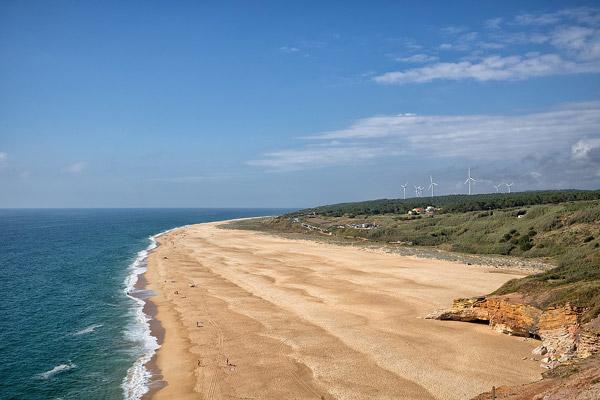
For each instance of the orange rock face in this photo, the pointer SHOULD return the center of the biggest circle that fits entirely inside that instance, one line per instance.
(512, 318)
(562, 335)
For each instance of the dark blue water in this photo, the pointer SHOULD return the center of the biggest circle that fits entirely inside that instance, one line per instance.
(65, 320)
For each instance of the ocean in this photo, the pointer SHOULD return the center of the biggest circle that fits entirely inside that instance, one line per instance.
(69, 327)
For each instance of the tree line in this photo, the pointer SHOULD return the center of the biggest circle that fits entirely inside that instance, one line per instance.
(453, 203)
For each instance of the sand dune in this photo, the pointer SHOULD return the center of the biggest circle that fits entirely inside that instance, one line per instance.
(272, 318)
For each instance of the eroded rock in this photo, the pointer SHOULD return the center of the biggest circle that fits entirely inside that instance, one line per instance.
(560, 329)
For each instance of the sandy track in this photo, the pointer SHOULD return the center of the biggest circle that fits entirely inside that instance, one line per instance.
(291, 319)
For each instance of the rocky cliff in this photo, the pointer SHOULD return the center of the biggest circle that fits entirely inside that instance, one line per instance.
(577, 381)
(563, 335)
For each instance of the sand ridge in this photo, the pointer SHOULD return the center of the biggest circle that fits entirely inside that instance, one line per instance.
(253, 316)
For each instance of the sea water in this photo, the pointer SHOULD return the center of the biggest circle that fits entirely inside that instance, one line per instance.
(70, 327)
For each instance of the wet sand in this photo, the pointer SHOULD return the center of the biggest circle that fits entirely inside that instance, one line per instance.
(248, 315)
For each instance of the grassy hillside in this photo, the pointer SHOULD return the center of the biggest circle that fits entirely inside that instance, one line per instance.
(456, 203)
(565, 234)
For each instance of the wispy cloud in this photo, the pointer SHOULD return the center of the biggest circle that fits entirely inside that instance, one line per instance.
(409, 43)
(305, 47)
(323, 155)
(473, 137)
(76, 168)
(587, 150)
(582, 15)
(453, 29)
(560, 43)
(191, 179)
(492, 68)
(3, 157)
(417, 58)
(289, 49)
(493, 23)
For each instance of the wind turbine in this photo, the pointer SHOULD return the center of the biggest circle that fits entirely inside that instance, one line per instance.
(497, 188)
(432, 186)
(469, 180)
(404, 189)
(418, 191)
(508, 185)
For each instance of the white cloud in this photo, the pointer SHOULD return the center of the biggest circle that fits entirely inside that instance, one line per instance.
(580, 41)
(539, 19)
(475, 137)
(317, 156)
(463, 41)
(584, 148)
(491, 45)
(289, 49)
(410, 44)
(3, 160)
(417, 58)
(559, 43)
(491, 68)
(453, 30)
(583, 15)
(76, 168)
(493, 23)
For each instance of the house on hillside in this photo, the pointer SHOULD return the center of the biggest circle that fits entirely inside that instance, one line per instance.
(429, 210)
(416, 211)
(366, 225)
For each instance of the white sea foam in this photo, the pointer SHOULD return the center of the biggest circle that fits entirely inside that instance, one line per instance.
(57, 370)
(88, 329)
(135, 384)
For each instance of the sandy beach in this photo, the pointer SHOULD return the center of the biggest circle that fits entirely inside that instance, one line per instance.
(248, 315)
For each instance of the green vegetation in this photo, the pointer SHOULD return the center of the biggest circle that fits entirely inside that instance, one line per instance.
(456, 203)
(566, 234)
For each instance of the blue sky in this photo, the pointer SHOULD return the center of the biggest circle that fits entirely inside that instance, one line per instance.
(219, 104)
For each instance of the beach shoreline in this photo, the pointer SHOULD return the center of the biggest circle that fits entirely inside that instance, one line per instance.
(156, 330)
(185, 364)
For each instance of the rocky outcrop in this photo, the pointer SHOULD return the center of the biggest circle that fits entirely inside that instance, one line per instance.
(502, 314)
(589, 339)
(562, 334)
(577, 381)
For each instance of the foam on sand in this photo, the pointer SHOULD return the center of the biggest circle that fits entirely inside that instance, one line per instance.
(136, 382)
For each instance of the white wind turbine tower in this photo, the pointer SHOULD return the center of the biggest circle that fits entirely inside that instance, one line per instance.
(404, 189)
(497, 188)
(432, 186)
(418, 191)
(469, 180)
(508, 185)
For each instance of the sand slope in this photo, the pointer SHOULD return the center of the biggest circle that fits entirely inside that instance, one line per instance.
(291, 319)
